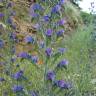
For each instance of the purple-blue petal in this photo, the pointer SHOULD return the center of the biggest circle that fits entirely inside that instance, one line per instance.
(17, 88)
(49, 33)
(63, 63)
(1, 15)
(62, 84)
(18, 75)
(60, 33)
(61, 50)
(34, 59)
(46, 18)
(23, 55)
(29, 39)
(48, 52)
(51, 75)
(2, 79)
(56, 9)
(61, 22)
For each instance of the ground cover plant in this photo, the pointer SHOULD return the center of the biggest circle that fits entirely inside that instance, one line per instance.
(49, 61)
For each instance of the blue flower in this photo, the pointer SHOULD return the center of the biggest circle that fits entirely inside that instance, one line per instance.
(62, 84)
(46, 18)
(61, 2)
(34, 59)
(59, 83)
(67, 85)
(48, 52)
(1, 15)
(49, 33)
(18, 75)
(61, 22)
(17, 88)
(2, 79)
(63, 63)
(36, 6)
(32, 9)
(56, 9)
(60, 33)
(1, 43)
(51, 75)
(61, 50)
(29, 39)
(23, 55)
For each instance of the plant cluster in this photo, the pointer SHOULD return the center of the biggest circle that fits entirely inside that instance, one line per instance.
(46, 15)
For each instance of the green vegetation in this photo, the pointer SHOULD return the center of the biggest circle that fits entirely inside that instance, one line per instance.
(80, 51)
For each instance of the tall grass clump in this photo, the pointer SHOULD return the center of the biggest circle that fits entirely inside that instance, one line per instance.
(81, 68)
